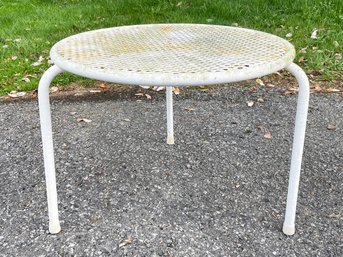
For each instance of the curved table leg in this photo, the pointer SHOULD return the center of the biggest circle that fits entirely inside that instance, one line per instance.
(170, 126)
(48, 151)
(298, 145)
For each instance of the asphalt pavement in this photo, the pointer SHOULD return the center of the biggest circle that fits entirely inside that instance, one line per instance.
(219, 191)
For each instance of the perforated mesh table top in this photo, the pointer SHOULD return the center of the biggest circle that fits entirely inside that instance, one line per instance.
(172, 54)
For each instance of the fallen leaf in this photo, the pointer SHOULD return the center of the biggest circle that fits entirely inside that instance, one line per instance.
(95, 91)
(39, 62)
(253, 90)
(332, 90)
(34, 92)
(287, 92)
(176, 90)
(335, 216)
(314, 34)
(338, 56)
(302, 59)
(316, 87)
(156, 88)
(190, 109)
(250, 103)
(103, 86)
(53, 89)
(31, 76)
(303, 50)
(267, 135)
(331, 127)
(148, 96)
(14, 57)
(83, 120)
(15, 94)
(294, 89)
(127, 241)
(260, 82)
(317, 73)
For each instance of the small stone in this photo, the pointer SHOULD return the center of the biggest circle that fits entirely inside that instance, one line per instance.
(247, 130)
(250, 103)
(169, 243)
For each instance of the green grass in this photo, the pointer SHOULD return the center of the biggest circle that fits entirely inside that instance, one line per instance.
(28, 28)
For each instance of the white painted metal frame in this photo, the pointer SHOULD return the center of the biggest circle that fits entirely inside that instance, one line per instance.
(297, 151)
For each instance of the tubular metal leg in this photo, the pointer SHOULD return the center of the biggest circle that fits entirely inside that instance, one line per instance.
(170, 126)
(48, 151)
(298, 145)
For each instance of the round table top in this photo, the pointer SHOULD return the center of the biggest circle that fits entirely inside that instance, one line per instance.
(172, 54)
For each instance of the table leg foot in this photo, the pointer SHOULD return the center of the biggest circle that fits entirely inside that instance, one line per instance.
(170, 139)
(298, 146)
(48, 150)
(288, 229)
(54, 227)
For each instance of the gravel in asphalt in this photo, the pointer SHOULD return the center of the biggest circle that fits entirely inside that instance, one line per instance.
(219, 191)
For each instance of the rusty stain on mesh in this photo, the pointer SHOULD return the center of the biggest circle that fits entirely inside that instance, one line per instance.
(173, 49)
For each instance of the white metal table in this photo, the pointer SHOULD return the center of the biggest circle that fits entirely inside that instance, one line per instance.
(173, 55)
